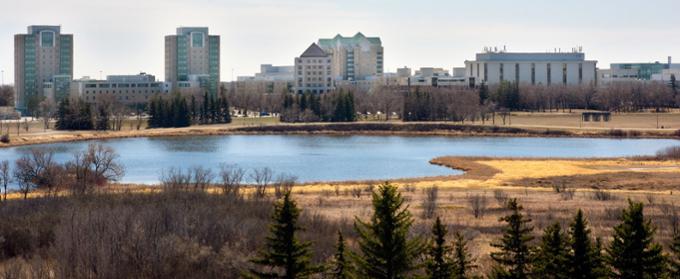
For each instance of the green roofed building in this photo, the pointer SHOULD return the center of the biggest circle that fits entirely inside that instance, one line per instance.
(354, 58)
(43, 66)
(192, 59)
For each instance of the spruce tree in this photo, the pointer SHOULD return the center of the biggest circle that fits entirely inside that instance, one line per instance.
(675, 256)
(386, 249)
(284, 256)
(63, 114)
(439, 264)
(632, 252)
(584, 261)
(483, 94)
(551, 259)
(514, 258)
(193, 109)
(341, 267)
(462, 260)
(102, 118)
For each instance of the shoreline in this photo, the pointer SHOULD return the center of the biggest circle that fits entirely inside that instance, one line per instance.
(538, 174)
(341, 129)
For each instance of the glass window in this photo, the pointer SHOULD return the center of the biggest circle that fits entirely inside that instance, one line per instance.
(47, 39)
(196, 39)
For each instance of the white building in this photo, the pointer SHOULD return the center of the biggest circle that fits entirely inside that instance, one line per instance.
(268, 72)
(126, 89)
(313, 71)
(558, 68)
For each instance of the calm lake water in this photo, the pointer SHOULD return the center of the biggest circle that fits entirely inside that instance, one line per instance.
(338, 158)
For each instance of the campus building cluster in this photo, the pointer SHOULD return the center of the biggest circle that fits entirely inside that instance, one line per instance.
(44, 69)
(43, 62)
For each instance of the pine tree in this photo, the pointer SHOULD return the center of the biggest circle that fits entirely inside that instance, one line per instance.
(341, 267)
(632, 252)
(63, 114)
(285, 256)
(386, 249)
(192, 107)
(226, 111)
(514, 258)
(675, 256)
(462, 260)
(483, 94)
(584, 261)
(439, 264)
(551, 256)
(102, 118)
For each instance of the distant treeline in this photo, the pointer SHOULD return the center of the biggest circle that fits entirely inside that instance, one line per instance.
(330, 107)
(176, 112)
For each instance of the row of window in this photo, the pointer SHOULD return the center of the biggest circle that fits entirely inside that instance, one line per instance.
(549, 75)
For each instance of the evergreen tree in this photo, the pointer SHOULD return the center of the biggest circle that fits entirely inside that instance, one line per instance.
(102, 118)
(340, 268)
(386, 249)
(674, 85)
(63, 114)
(192, 107)
(514, 258)
(632, 252)
(675, 256)
(551, 256)
(226, 111)
(584, 261)
(462, 260)
(205, 108)
(483, 94)
(285, 256)
(439, 264)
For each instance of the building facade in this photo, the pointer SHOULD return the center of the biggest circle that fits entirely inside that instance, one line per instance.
(558, 68)
(125, 89)
(354, 58)
(43, 65)
(627, 72)
(192, 58)
(313, 72)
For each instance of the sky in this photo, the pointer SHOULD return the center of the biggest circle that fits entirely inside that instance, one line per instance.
(127, 37)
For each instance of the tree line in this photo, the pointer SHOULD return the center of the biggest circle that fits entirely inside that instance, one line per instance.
(93, 167)
(387, 249)
(176, 112)
(328, 107)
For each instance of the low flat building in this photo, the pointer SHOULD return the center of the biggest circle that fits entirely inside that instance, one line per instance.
(629, 72)
(313, 71)
(535, 68)
(126, 89)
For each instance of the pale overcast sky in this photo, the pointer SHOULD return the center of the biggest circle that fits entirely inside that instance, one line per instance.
(125, 36)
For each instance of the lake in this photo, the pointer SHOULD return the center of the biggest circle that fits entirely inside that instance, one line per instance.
(338, 158)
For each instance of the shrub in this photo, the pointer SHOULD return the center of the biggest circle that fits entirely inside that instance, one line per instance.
(430, 202)
(669, 153)
(5, 138)
(602, 195)
(501, 197)
(477, 205)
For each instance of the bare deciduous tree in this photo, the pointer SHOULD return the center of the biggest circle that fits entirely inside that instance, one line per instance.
(231, 178)
(284, 183)
(477, 205)
(430, 202)
(262, 178)
(5, 176)
(201, 178)
(37, 169)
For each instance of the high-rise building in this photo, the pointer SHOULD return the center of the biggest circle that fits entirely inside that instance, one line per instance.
(535, 68)
(354, 58)
(43, 65)
(313, 71)
(192, 57)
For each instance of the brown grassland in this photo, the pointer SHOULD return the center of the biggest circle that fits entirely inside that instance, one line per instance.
(144, 231)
